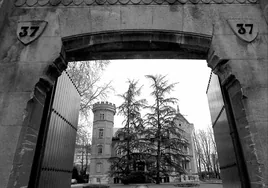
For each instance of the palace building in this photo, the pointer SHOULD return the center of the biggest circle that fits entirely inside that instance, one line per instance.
(103, 146)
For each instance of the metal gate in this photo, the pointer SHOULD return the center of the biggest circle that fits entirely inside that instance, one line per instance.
(57, 161)
(221, 101)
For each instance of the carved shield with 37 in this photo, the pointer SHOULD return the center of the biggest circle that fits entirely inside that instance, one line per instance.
(245, 29)
(28, 31)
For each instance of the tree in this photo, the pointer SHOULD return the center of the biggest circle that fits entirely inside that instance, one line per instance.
(206, 151)
(86, 77)
(206, 148)
(166, 140)
(130, 109)
(83, 142)
(199, 153)
(214, 153)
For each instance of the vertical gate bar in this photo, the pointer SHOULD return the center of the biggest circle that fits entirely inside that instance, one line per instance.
(48, 143)
(64, 148)
(47, 147)
(60, 125)
(70, 150)
(67, 131)
(58, 145)
(61, 132)
(62, 141)
(66, 96)
(42, 177)
(63, 111)
(47, 180)
(60, 95)
(57, 179)
(57, 129)
(72, 101)
(77, 113)
(54, 178)
(55, 143)
(71, 145)
(68, 110)
(67, 138)
(58, 89)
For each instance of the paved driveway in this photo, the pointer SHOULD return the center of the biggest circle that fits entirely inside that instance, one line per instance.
(202, 185)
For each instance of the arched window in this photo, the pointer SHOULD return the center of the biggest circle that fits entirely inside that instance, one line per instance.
(119, 152)
(100, 149)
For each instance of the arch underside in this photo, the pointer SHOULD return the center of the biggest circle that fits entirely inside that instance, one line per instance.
(137, 44)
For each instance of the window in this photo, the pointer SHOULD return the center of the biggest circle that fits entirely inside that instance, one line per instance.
(99, 150)
(101, 116)
(99, 166)
(116, 180)
(101, 133)
(98, 180)
(186, 149)
(184, 165)
(119, 152)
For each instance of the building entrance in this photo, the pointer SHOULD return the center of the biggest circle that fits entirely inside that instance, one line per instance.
(39, 37)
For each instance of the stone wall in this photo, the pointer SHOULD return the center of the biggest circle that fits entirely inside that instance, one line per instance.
(27, 72)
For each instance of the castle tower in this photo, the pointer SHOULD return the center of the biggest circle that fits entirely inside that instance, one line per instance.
(103, 124)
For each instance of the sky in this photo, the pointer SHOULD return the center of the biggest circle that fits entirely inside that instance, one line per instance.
(192, 77)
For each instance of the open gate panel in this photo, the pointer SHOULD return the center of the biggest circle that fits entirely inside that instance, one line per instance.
(57, 163)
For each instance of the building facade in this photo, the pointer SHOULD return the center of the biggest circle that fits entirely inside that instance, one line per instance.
(104, 146)
(103, 125)
(189, 165)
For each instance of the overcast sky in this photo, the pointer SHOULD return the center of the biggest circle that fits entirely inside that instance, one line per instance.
(192, 75)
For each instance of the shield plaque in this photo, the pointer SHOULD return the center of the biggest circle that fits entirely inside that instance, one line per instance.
(245, 29)
(28, 31)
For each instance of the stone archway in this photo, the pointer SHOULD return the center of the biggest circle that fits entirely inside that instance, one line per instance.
(29, 71)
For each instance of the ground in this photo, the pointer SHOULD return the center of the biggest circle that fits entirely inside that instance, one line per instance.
(202, 185)
(167, 186)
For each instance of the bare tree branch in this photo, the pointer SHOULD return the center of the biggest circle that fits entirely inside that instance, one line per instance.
(86, 77)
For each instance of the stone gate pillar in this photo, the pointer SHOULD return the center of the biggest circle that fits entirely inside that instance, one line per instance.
(245, 63)
(27, 73)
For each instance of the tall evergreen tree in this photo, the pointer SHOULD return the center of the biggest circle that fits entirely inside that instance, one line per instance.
(166, 141)
(130, 109)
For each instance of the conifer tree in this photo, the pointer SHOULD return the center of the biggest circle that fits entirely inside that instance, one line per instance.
(130, 109)
(166, 143)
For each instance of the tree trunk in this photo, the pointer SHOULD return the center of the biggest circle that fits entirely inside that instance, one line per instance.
(82, 162)
(158, 145)
(128, 147)
(199, 161)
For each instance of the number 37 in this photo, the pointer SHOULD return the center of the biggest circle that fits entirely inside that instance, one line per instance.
(25, 30)
(242, 28)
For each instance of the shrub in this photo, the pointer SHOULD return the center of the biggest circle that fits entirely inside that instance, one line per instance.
(96, 186)
(188, 184)
(134, 177)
